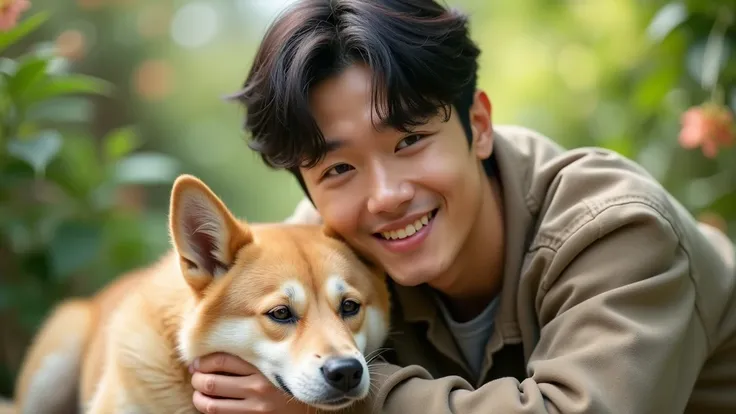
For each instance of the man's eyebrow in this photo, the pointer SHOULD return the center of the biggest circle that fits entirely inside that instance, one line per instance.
(333, 144)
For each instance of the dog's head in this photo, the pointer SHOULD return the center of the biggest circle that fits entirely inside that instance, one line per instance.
(293, 300)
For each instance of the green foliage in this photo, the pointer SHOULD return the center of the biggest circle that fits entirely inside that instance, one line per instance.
(62, 231)
(689, 62)
(620, 74)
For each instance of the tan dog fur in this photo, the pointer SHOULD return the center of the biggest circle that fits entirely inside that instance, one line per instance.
(127, 349)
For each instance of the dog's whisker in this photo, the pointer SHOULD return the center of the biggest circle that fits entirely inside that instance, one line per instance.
(374, 361)
(375, 351)
(375, 371)
(374, 388)
(375, 364)
(374, 357)
(391, 334)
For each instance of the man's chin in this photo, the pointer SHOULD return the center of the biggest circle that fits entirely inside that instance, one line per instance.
(410, 277)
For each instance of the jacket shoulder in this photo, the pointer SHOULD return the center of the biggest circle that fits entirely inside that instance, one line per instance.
(574, 187)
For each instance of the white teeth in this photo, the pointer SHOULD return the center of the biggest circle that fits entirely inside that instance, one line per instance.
(409, 230)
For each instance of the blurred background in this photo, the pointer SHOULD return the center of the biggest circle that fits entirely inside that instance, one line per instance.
(104, 102)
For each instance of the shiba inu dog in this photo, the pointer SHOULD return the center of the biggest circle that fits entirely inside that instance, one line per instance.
(291, 299)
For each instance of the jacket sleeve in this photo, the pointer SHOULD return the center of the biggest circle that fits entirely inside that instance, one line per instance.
(620, 331)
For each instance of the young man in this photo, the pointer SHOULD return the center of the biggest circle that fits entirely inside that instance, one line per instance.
(525, 278)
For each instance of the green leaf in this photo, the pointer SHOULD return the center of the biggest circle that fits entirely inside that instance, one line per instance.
(121, 142)
(29, 72)
(78, 170)
(715, 56)
(146, 168)
(710, 9)
(38, 152)
(66, 85)
(667, 19)
(64, 109)
(18, 234)
(45, 49)
(23, 29)
(652, 89)
(8, 66)
(74, 246)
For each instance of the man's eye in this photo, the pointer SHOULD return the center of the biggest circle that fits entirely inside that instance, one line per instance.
(338, 169)
(408, 141)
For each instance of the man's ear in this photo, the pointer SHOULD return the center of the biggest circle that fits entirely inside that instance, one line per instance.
(481, 124)
(205, 234)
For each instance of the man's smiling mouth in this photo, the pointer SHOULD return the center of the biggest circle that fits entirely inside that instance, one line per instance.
(409, 230)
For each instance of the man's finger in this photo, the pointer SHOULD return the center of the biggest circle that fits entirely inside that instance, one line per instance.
(223, 363)
(221, 385)
(208, 405)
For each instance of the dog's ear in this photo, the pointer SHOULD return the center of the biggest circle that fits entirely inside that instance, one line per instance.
(205, 234)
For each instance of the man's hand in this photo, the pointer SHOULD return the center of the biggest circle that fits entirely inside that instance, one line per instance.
(225, 384)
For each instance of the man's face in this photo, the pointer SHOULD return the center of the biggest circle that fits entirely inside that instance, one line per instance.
(405, 200)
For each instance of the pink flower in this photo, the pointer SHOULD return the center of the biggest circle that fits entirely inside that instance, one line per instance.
(10, 11)
(709, 126)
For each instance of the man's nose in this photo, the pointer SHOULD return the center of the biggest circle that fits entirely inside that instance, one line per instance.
(389, 193)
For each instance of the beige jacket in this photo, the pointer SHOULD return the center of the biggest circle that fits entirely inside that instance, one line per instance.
(615, 300)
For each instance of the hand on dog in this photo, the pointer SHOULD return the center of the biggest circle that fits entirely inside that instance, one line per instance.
(225, 384)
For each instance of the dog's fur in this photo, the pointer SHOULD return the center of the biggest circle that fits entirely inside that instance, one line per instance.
(127, 349)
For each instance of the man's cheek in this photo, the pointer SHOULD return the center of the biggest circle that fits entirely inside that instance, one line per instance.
(344, 218)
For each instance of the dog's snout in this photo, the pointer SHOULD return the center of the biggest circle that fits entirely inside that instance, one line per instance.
(343, 373)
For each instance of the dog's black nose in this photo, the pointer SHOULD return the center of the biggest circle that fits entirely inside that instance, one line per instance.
(343, 373)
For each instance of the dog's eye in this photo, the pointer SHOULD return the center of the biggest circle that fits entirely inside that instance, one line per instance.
(281, 314)
(349, 307)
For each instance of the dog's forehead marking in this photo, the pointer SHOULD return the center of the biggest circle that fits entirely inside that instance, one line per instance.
(295, 292)
(335, 287)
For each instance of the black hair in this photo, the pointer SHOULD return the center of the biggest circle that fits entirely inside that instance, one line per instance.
(420, 53)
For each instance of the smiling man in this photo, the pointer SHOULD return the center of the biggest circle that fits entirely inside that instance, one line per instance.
(525, 278)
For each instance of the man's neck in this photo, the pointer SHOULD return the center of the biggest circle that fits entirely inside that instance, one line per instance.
(477, 276)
